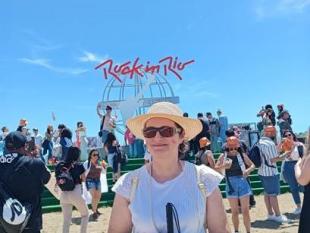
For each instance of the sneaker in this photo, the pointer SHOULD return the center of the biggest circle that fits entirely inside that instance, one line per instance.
(297, 211)
(280, 219)
(270, 217)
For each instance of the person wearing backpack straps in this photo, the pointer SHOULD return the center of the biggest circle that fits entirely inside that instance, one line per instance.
(68, 199)
(269, 175)
(237, 186)
(191, 190)
(18, 168)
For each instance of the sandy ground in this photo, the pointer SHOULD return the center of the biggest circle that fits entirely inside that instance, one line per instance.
(52, 222)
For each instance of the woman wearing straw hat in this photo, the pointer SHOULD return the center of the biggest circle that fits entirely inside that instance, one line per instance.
(192, 192)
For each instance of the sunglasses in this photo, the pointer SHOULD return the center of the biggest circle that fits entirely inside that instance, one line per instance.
(231, 149)
(95, 154)
(288, 135)
(164, 131)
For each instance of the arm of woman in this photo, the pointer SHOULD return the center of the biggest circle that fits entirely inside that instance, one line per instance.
(216, 215)
(210, 159)
(249, 164)
(119, 224)
(302, 170)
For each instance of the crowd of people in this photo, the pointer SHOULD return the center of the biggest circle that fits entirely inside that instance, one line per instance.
(144, 196)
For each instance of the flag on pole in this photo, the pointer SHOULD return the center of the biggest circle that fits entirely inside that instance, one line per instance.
(53, 116)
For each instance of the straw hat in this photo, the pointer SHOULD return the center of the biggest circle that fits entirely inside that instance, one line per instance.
(204, 142)
(168, 111)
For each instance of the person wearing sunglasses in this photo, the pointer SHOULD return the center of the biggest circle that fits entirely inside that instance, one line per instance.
(93, 183)
(237, 185)
(294, 150)
(143, 194)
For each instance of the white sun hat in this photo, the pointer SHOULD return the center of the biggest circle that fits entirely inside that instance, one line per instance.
(169, 111)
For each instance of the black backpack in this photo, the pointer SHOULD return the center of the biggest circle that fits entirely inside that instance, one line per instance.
(64, 178)
(255, 156)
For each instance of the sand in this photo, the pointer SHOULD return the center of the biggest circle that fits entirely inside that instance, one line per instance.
(52, 222)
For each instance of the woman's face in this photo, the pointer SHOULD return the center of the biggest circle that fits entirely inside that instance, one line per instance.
(289, 135)
(232, 151)
(160, 146)
(94, 156)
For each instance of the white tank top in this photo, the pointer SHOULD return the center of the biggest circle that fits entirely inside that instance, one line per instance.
(148, 208)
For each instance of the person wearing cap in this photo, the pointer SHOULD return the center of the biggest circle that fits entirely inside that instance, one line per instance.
(192, 191)
(284, 123)
(237, 186)
(107, 122)
(17, 169)
(22, 123)
(269, 175)
(204, 155)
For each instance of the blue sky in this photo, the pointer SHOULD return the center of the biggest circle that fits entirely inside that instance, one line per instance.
(247, 54)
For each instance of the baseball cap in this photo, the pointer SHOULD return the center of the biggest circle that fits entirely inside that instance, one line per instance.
(108, 107)
(15, 140)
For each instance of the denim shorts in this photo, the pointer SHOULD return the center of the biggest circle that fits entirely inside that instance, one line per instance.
(271, 185)
(93, 184)
(237, 187)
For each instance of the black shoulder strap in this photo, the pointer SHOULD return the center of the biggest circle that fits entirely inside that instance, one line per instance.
(264, 157)
(102, 123)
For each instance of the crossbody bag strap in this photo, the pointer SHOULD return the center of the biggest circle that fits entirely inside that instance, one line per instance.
(202, 189)
(133, 189)
(264, 157)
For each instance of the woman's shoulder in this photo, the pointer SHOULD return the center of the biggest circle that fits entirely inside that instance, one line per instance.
(124, 183)
(209, 177)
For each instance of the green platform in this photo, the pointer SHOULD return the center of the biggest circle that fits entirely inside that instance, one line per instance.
(51, 204)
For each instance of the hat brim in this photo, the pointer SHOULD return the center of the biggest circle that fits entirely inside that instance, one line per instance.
(191, 127)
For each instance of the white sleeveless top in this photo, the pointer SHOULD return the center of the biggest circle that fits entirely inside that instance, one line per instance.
(148, 208)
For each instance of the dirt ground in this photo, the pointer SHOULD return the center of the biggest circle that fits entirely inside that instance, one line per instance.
(52, 222)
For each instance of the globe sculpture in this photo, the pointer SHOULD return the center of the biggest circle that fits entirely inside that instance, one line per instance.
(134, 95)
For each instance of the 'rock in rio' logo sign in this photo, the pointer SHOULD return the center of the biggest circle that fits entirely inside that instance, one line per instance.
(165, 65)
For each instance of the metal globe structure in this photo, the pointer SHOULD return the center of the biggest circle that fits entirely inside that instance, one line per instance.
(133, 96)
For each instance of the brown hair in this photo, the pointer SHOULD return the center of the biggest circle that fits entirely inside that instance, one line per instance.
(184, 146)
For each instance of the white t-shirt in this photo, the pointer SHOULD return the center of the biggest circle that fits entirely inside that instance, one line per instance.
(148, 208)
(147, 156)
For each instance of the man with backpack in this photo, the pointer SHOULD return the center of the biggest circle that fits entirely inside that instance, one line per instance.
(22, 176)
(269, 174)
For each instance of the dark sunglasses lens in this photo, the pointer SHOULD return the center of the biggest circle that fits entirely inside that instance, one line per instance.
(167, 131)
(149, 132)
(164, 131)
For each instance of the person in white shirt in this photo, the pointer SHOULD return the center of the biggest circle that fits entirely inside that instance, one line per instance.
(191, 191)
(38, 140)
(107, 122)
(269, 175)
(294, 151)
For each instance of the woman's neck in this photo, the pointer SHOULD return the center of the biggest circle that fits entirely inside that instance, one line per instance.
(163, 171)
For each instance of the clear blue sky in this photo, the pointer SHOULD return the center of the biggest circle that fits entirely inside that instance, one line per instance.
(248, 53)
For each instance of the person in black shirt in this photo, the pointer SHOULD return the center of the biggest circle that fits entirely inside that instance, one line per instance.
(68, 199)
(19, 168)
